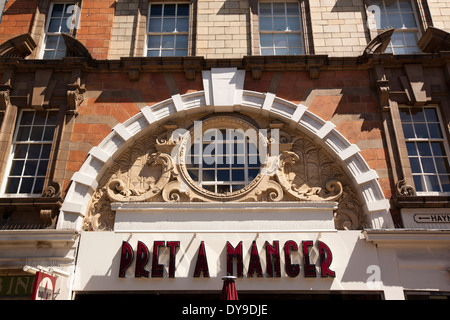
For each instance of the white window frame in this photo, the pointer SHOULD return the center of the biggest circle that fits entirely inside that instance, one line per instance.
(161, 34)
(240, 158)
(442, 140)
(74, 25)
(283, 32)
(11, 158)
(415, 31)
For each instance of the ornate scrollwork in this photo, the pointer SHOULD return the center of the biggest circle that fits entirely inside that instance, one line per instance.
(118, 190)
(301, 171)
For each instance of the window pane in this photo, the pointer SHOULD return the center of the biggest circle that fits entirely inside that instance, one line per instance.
(21, 151)
(293, 23)
(58, 10)
(292, 8)
(421, 130)
(294, 40)
(415, 165)
(183, 10)
(410, 39)
(435, 131)
(181, 42)
(49, 54)
(391, 6)
(60, 54)
(281, 52)
(54, 25)
(442, 165)
(27, 118)
(418, 182)
(34, 151)
(183, 24)
(267, 52)
(238, 175)
(168, 25)
(418, 115)
(279, 24)
(265, 24)
(438, 149)
(397, 39)
(27, 185)
(445, 182)
(156, 10)
(295, 51)
(48, 134)
(169, 10)
(405, 5)
(36, 133)
(405, 115)
(17, 168)
(167, 53)
(12, 185)
(155, 25)
(266, 40)
(265, 9)
(395, 21)
(52, 42)
(45, 153)
(154, 42)
(278, 8)
(431, 115)
(280, 40)
(409, 21)
(42, 169)
(168, 42)
(428, 165)
(411, 147)
(23, 134)
(38, 185)
(30, 168)
(408, 130)
(66, 24)
(432, 183)
(424, 149)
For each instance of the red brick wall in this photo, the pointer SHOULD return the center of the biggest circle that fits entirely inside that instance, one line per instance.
(344, 98)
(95, 26)
(17, 18)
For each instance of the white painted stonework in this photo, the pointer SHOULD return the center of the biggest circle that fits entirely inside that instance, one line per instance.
(375, 206)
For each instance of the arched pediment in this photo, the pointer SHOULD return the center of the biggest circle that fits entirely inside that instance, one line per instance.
(289, 167)
(18, 47)
(142, 130)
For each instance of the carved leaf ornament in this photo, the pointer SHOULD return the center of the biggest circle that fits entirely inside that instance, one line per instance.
(157, 168)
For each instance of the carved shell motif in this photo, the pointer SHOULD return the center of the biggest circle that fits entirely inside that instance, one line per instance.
(147, 172)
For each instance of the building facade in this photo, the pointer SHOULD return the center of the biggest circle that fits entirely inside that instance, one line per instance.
(153, 147)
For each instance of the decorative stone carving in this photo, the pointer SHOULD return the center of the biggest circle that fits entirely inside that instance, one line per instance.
(5, 101)
(75, 92)
(151, 172)
(53, 190)
(402, 189)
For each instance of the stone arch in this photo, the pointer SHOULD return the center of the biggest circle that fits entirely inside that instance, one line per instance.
(364, 179)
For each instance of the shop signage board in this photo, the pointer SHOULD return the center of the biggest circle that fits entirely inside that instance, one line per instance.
(125, 261)
(44, 286)
(432, 218)
(16, 286)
